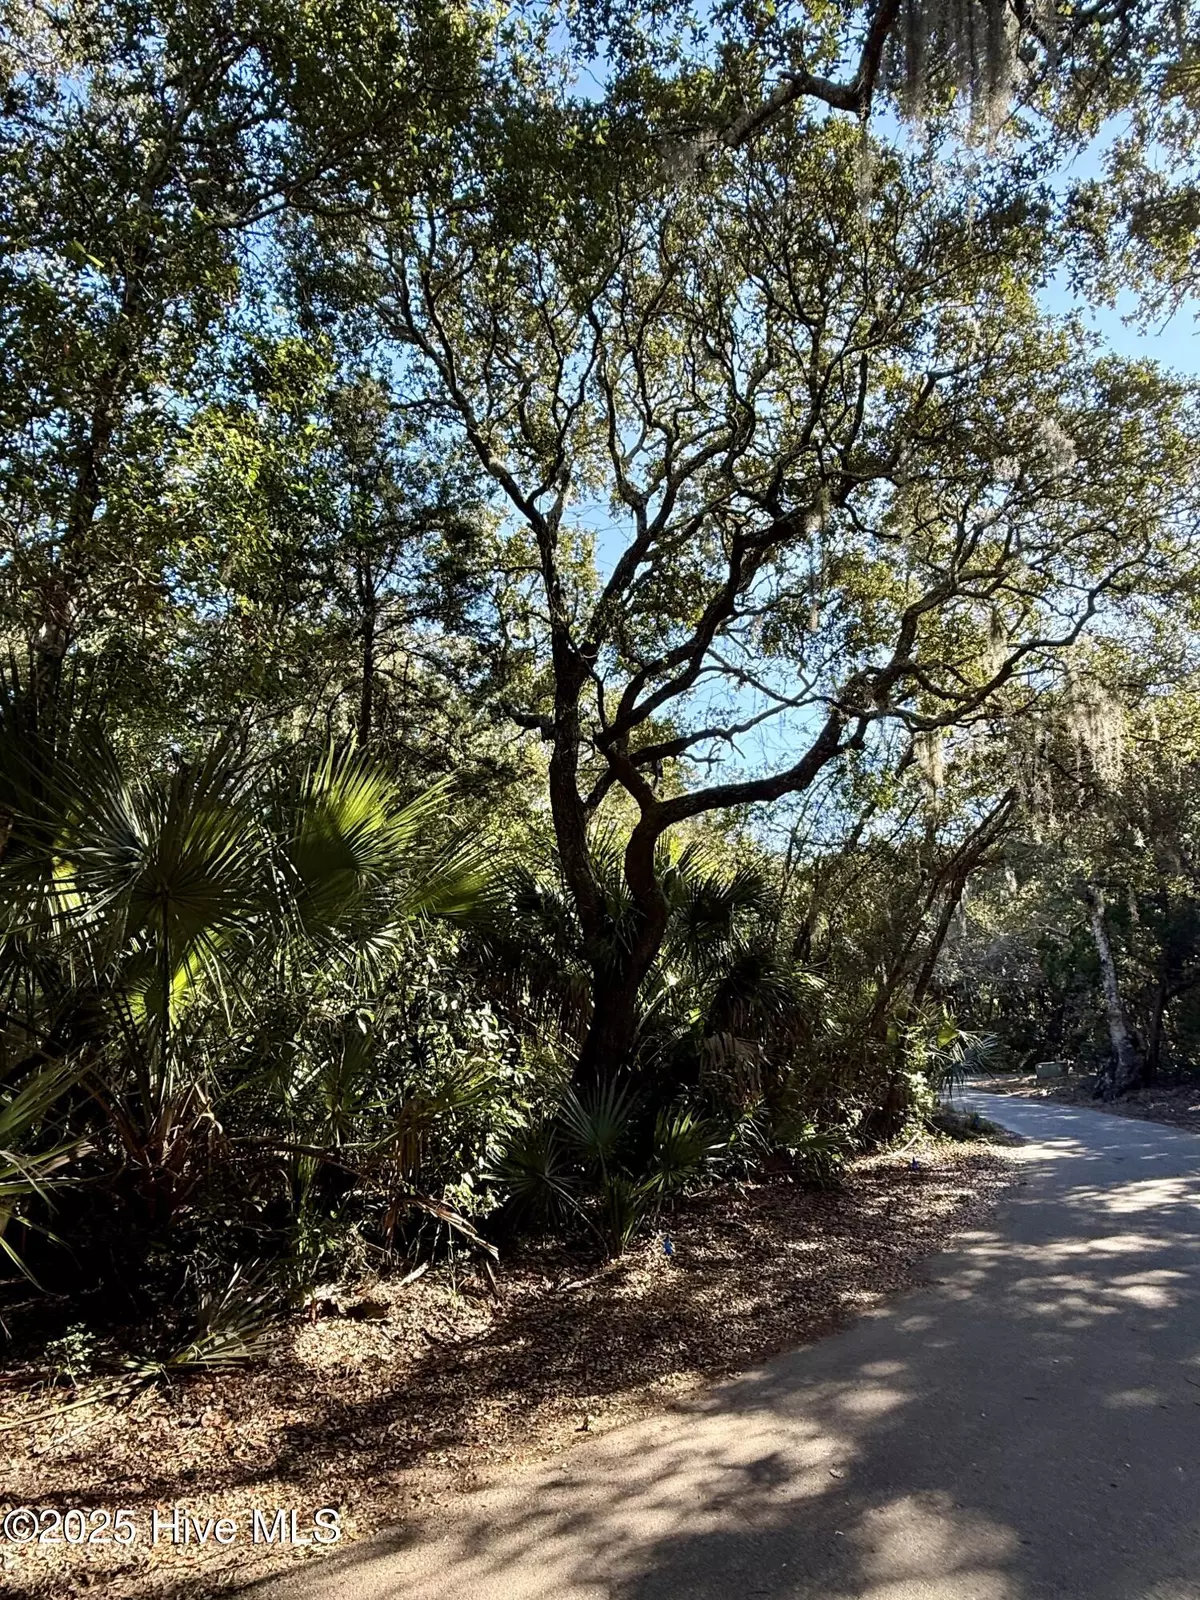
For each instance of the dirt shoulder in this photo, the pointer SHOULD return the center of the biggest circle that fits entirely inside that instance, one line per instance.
(1176, 1104)
(430, 1388)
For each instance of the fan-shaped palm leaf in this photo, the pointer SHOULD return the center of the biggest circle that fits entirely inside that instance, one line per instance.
(596, 1121)
(356, 856)
(32, 1154)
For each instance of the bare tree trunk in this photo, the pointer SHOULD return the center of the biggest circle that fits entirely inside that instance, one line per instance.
(612, 1031)
(616, 1016)
(966, 859)
(1127, 1060)
(1157, 1024)
(366, 699)
(951, 877)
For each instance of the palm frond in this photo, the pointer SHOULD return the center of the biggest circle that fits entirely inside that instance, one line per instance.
(596, 1121)
(352, 846)
(32, 1152)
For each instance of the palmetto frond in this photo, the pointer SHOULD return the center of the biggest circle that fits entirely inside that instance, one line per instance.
(356, 858)
(146, 912)
(597, 1121)
(32, 1153)
(146, 884)
(712, 908)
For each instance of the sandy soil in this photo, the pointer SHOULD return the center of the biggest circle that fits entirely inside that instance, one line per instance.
(403, 1395)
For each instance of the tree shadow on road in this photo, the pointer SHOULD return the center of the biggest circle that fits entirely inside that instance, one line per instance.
(1022, 1430)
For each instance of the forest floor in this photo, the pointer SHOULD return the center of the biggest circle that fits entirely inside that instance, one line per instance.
(1176, 1104)
(406, 1394)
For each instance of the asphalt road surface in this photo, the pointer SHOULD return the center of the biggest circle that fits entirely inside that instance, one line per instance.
(1025, 1427)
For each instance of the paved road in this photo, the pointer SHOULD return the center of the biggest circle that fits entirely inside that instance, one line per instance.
(1027, 1427)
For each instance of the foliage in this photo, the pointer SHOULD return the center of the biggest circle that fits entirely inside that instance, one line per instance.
(32, 1156)
(1115, 814)
(215, 973)
(575, 627)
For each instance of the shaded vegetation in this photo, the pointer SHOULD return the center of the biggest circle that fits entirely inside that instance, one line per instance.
(571, 631)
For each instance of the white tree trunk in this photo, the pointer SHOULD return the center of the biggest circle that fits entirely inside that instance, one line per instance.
(1126, 1055)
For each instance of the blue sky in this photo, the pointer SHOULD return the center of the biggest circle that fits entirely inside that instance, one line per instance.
(1175, 343)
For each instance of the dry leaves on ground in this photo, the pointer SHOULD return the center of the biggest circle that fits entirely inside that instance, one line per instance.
(439, 1384)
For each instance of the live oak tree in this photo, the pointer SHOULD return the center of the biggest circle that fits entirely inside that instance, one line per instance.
(845, 475)
(696, 84)
(150, 162)
(1136, 226)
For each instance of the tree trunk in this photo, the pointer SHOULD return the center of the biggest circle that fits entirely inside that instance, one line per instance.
(952, 878)
(366, 699)
(1127, 1066)
(953, 899)
(612, 1033)
(1157, 1023)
